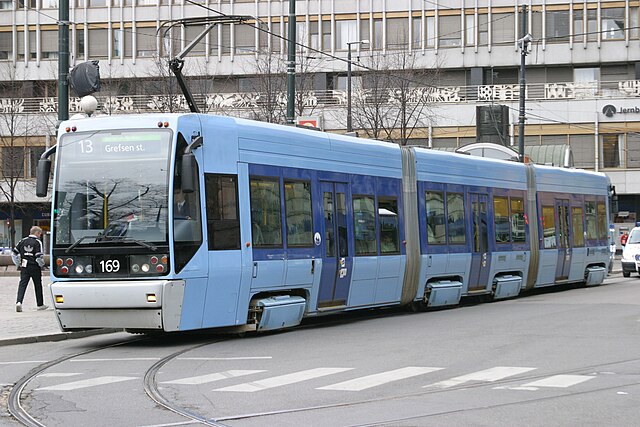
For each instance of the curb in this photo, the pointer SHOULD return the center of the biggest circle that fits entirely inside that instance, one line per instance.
(57, 337)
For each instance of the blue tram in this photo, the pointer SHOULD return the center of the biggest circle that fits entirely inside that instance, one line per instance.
(187, 221)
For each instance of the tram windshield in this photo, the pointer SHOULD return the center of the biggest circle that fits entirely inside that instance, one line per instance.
(112, 186)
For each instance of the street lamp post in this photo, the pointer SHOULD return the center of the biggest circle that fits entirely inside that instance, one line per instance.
(349, 120)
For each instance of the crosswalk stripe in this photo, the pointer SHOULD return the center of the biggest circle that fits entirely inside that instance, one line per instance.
(203, 379)
(281, 380)
(560, 381)
(86, 383)
(491, 374)
(375, 380)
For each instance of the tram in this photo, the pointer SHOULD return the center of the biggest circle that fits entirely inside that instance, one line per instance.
(176, 222)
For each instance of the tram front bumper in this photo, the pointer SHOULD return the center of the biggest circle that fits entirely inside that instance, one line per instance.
(153, 304)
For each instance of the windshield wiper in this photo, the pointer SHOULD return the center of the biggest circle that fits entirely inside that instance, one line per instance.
(80, 240)
(130, 239)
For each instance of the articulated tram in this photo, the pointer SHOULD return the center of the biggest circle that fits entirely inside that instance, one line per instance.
(177, 222)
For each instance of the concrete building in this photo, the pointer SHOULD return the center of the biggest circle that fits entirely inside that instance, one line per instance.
(582, 71)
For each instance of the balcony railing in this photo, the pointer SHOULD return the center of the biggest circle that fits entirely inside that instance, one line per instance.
(223, 103)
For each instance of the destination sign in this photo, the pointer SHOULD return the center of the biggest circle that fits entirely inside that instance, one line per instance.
(131, 144)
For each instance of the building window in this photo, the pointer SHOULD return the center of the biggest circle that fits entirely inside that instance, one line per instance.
(430, 40)
(79, 43)
(582, 147)
(118, 43)
(611, 150)
(98, 43)
(397, 33)
(592, 25)
(470, 30)
(503, 27)
(49, 4)
(416, 33)
(12, 162)
(377, 38)
(346, 32)
(326, 35)
(146, 41)
(5, 46)
(245, 39)
(633, 150)
(449, 30)
(557, 26)
(314, 36)
(612, 23)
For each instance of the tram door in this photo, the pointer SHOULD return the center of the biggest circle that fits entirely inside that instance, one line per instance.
(336, 260)
(564, 247)
(480, 257)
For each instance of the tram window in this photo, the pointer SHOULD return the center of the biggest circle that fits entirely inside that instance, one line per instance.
(455, 218)
(517, 220)
(578, 226)
(602, 221)
(548, 227)
(591, 220)
(436, 234)
(388, 217)
(297, 203)
(266, 221)
(223, 224)
(365, 225)
(501, 219)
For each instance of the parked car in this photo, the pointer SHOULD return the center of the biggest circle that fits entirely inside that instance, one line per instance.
(631, 253)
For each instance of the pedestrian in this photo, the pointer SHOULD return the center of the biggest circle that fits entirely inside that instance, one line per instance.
(623, 239)
(28, 256)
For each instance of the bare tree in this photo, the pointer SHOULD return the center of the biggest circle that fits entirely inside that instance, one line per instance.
(395, 96)
(16, 126)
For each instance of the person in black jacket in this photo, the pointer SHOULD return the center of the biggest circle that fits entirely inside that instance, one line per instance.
(28, 256)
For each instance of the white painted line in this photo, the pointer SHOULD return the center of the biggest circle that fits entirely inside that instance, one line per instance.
(203, 379)
(226, 358)
(59, 374)
(559, 381)
(122, 359)
(87, 383)
(375, 380)
(491, 374)
(281, 380)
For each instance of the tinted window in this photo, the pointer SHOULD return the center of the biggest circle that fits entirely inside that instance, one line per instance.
(501, 219)
(548, 227)
(436, 234)
(266, 221)
(223, 223)
(388, 217)
(364, 217)
(517, 220)
(297, 201)
(578, 226)
(455, 218)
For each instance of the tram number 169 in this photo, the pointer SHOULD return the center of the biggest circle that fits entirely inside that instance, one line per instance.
(109, 266)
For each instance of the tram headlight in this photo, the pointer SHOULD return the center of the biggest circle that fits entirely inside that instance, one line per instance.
(79, 269)
(135, 268)
(145, 268)
(88, 268)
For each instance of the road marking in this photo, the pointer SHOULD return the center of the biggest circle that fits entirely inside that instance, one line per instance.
(559, 381)
(491, 374)
(123, 359)
(59, 374)
(227, 358)
(203, 379)
(375, 380)
(281, 380)
(87, 383)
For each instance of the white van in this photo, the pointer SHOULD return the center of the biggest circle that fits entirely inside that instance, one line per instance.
(631, 253)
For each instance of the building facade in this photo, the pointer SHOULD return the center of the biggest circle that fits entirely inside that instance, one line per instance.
(446, 58)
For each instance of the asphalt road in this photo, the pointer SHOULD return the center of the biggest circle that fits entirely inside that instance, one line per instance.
(569, 357)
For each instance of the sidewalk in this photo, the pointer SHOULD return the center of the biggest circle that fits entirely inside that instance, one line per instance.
(31, 325)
